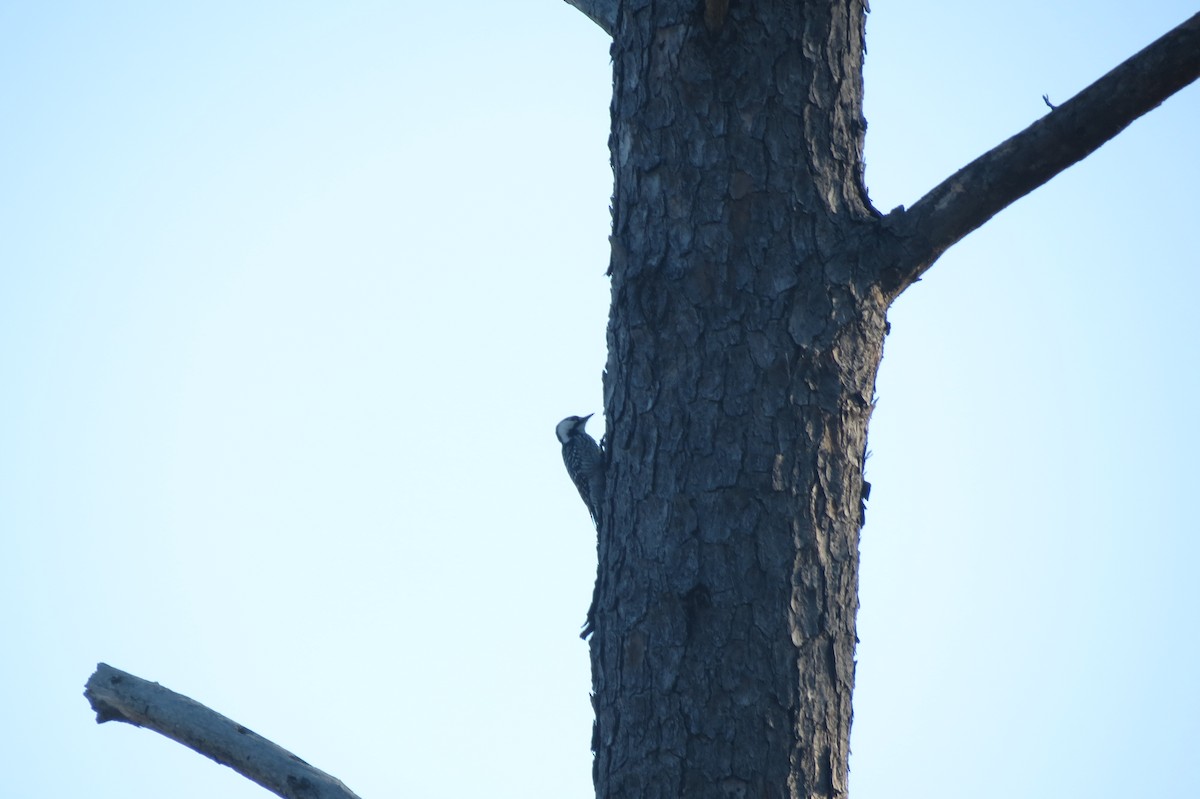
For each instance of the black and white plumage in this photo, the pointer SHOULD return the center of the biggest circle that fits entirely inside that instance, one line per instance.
(584, 461)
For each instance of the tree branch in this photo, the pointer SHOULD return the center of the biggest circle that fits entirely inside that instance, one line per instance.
(118, 696)
(1067, 134)
(602, 12)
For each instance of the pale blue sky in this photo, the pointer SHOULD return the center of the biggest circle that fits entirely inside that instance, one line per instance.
(293, 294)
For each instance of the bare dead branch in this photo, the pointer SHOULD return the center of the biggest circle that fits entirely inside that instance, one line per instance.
(118, 696)
(1069, 133)
(602, 12)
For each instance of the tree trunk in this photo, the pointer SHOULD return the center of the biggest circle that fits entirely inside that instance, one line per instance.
(750, 284)
(743, 347)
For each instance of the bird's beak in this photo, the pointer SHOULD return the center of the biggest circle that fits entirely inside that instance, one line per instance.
(589, 416)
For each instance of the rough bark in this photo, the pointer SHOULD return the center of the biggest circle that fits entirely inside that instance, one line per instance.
(118, 696)
(750, 283)
(743, 345)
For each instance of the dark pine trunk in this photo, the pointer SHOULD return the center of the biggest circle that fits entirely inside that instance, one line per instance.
(744, 342)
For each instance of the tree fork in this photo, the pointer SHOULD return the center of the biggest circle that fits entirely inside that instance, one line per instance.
(1068, 134)
(750, 283)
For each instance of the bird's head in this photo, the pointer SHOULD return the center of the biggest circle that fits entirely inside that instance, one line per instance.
(571, 427)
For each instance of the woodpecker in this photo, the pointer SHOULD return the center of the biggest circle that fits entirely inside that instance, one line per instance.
(585, 464)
